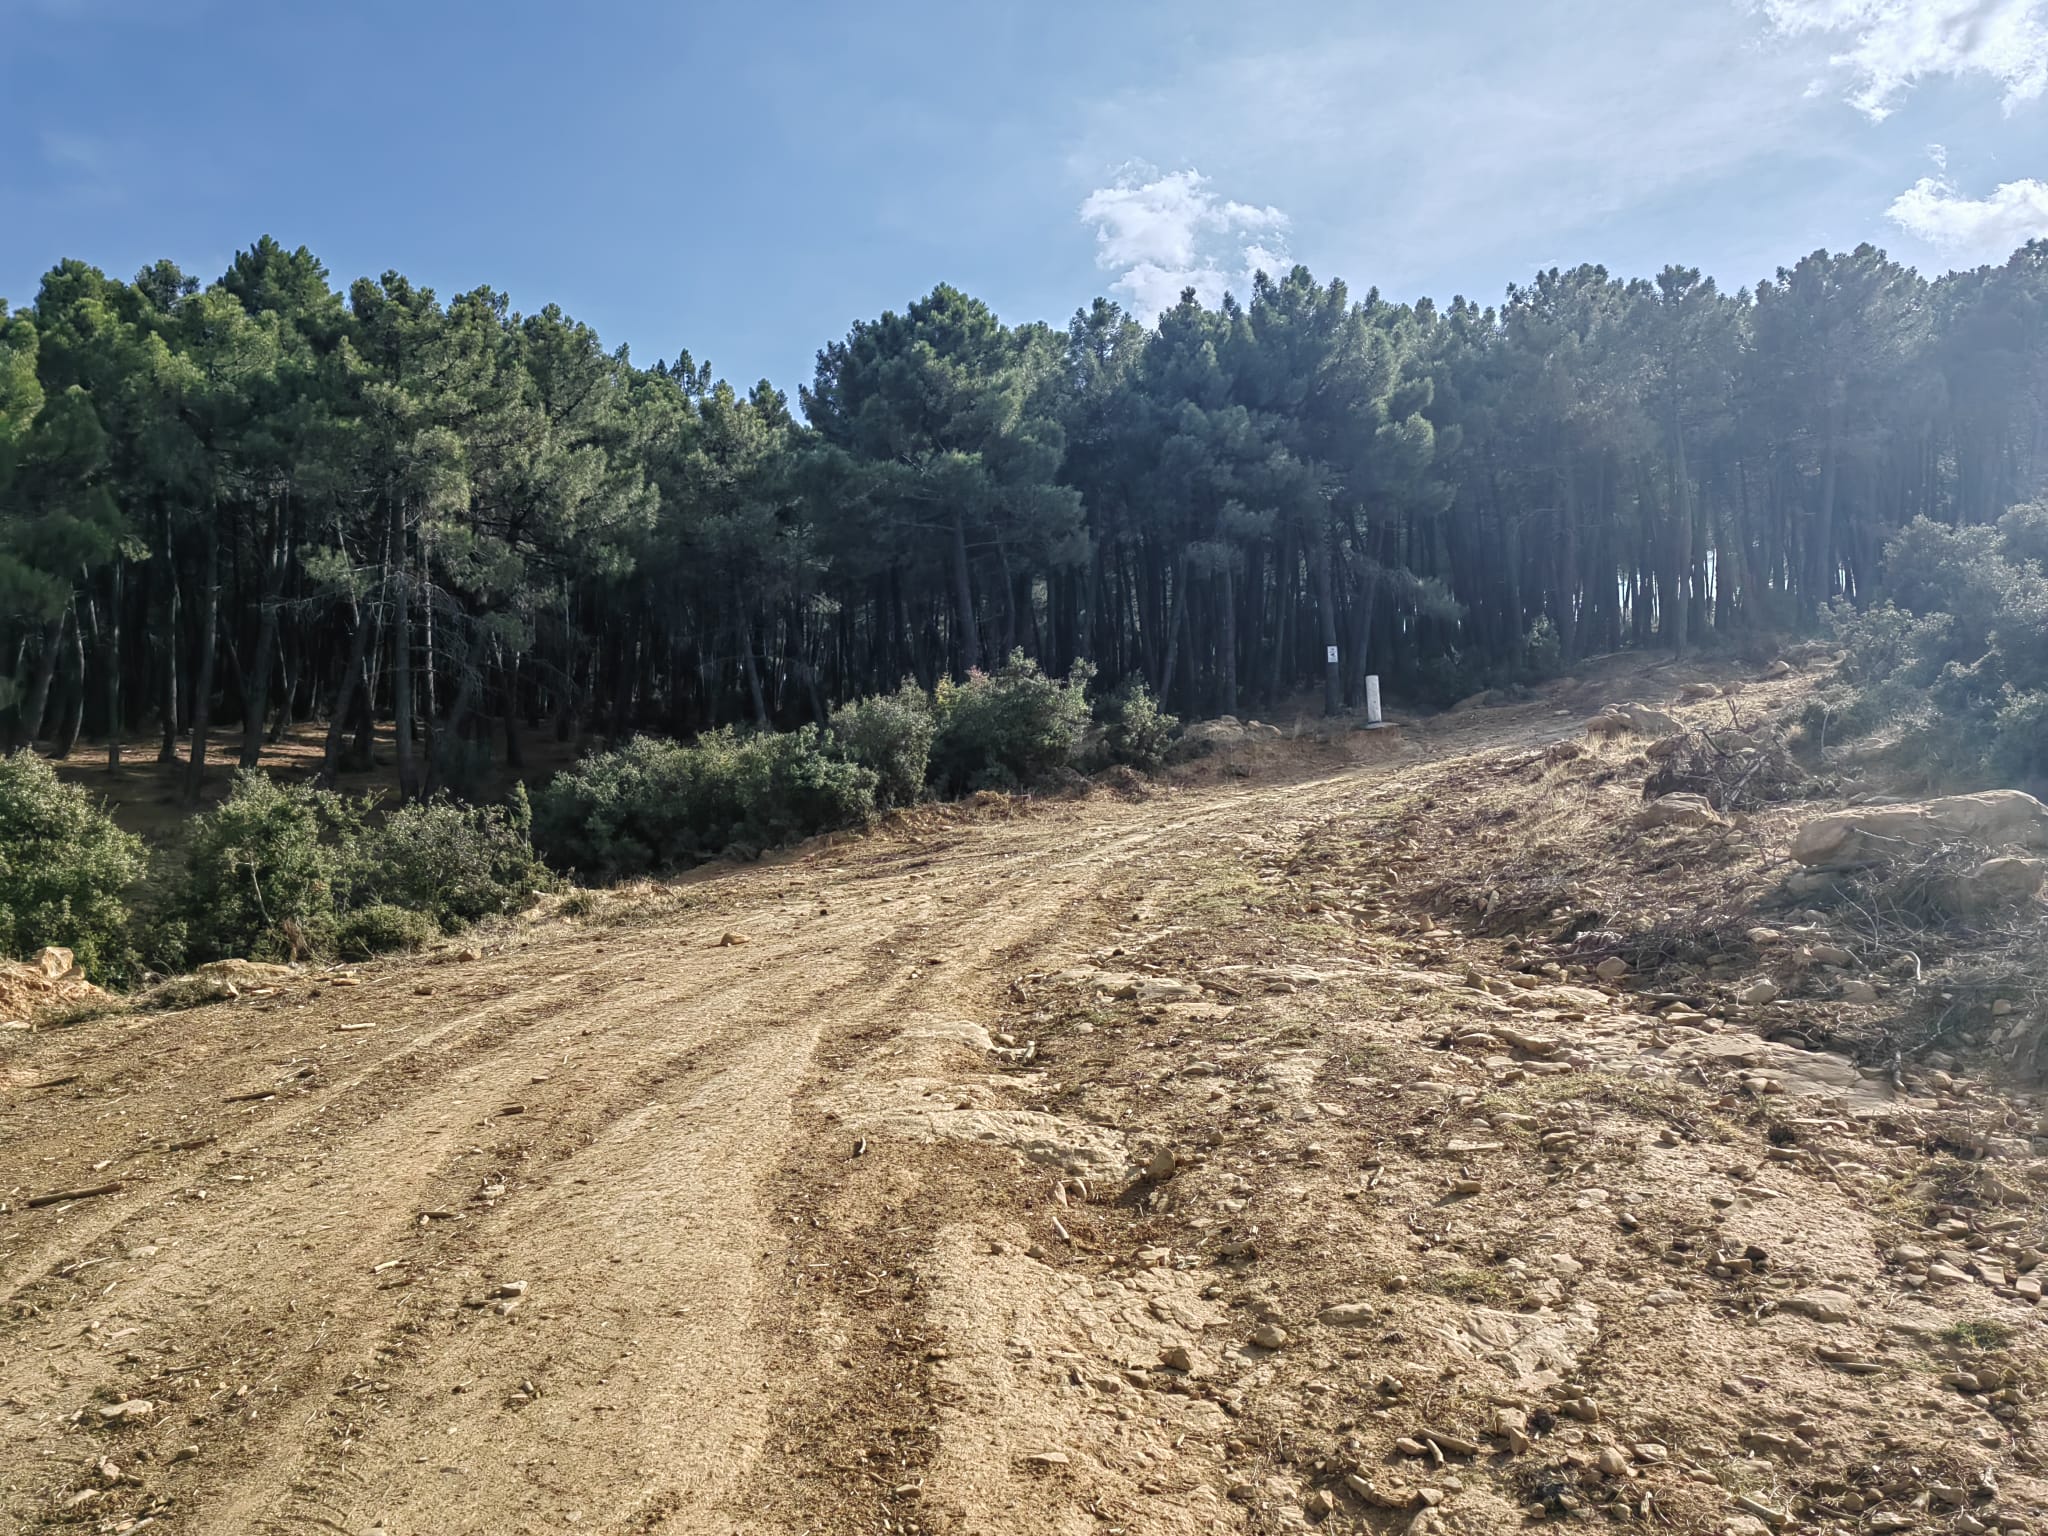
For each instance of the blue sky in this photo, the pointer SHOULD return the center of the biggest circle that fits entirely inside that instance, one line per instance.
(746, 180)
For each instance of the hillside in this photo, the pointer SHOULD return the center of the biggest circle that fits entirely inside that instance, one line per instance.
(1378, 1134)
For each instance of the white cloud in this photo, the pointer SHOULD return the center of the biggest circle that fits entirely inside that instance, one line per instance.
(1973, 228)
(1172, 232)
(1891, 45)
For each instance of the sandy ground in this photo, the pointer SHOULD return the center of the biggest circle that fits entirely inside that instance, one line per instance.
(810, 1196)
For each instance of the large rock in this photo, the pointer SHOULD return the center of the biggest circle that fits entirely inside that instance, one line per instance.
(1679, 811)
(1226, 733)
(2000, 882)
(253, 973)
(48, 984)
(1636, 719)
(1997, 818)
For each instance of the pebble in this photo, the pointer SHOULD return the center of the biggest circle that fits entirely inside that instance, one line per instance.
(136, 1410)
(1162, 1166)
(1512, 1425)
(1764, 1512)
(1269, 1336)
(1347, 1314)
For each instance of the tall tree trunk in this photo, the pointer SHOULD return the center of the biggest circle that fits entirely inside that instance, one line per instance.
(37, 703)
(448, 736)
(1680, 605)
(164, 573)
(1820, 551)
(969, 640)
(111, 650)
(72, 719)
(1229, 640)
(354, 675)
(1277, 660)
(744, 628)
(1564, 604)
(515, 752)
(401, 659)
(256, 693)
(1174, 626)
(287, 690)
(202, 683)
(1326, 614)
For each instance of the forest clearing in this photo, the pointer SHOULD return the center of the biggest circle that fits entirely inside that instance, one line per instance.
(1385, 1132)
(1311, 797)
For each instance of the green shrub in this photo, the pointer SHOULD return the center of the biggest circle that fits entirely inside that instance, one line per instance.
(1542, 653)
(382, 928)
(455, 863)
(653, 805)
(621, 812)
(890, 735)
(1884, 641)
(1956, 656)
(65, 870)
(791, 786)
(268, 852)
(1135, 730)
(1009, 729)
(2019, 750)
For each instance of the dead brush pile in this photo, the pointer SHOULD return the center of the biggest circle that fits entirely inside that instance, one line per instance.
(1546, 848)
(1732, 770)
(1977, 970)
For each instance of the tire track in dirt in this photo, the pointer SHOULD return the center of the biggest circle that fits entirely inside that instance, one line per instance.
(665, 1085)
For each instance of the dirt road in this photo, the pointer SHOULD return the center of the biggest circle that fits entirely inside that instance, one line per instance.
(323, 1193)
(798, 1198)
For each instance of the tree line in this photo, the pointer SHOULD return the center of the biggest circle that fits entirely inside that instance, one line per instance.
(231, 508)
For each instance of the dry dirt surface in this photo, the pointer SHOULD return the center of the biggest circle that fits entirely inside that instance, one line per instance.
(1176, 1161)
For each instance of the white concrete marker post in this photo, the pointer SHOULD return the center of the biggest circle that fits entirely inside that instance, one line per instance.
(1372, 700)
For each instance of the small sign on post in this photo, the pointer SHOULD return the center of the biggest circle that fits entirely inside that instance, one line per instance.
(1331, 658)
(1372, 700)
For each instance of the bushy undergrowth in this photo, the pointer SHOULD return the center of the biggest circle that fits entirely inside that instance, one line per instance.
(890, 735)
(1954, 655)
(1135, 730)
(653, 804)
(268, 855)
(278, 870)
(382, 929)
(455, 863)
(1009, 729)
(65, 870)
(279, 865)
